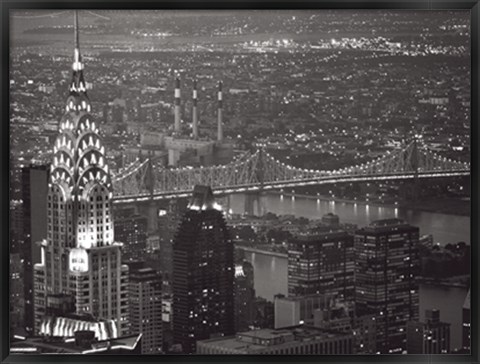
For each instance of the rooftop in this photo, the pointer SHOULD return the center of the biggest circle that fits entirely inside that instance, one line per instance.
(68, 345)
(387, 222)
(202, 199)
(320, 236)
(386, 225)
(252, 341)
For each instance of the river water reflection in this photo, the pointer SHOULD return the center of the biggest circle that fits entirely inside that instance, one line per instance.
(444, 228)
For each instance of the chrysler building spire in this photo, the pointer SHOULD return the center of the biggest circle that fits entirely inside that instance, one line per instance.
(78, 88)
(77, 63)
(80, 259)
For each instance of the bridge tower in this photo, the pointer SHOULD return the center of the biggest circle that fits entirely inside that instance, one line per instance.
(257, 197)
(416, 185)
(411, 188)
(152, 221)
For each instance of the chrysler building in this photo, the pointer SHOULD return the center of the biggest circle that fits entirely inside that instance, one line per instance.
(80, 283)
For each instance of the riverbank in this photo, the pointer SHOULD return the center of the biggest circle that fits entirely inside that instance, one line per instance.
(444, 205)
(455, 282)
(261, 251)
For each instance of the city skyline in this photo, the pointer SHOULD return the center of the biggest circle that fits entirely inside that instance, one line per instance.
(201, 169)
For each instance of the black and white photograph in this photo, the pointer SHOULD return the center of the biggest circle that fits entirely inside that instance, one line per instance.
(240, 182)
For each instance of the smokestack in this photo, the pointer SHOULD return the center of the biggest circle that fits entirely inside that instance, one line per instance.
(194, 112)
(177, 104)
(219, 113)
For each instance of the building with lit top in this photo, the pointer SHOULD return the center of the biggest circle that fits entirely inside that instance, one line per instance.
(244, 296)
(80, 260)
(82, 342)
(203, 273)
(386, 265)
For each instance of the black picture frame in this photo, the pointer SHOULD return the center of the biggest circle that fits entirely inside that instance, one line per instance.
(9, 5)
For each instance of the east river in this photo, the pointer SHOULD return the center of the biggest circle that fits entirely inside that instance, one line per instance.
(271, 273)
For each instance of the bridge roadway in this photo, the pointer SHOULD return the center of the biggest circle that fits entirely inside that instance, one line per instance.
(259, 187)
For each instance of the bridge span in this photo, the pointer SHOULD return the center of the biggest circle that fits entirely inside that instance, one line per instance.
(260, 171)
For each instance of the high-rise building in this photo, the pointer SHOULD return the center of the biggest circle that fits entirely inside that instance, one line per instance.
(167, 311)
(16, 276)
(169, 218)
(80, 260)
(429, 337)
(34, 180)
(203, 273)
(145, 297)
(386, 265)
(244, 296)
(16, 296)
(132, 232)
(321, 263)
(466, 320)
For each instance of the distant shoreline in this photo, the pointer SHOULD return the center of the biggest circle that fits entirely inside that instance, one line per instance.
(446, 283)
(261, 251)
(447, 206)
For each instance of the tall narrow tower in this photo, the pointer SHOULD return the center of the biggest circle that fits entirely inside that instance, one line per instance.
(177, 104)
(194, 111)
(81, 263)
(220, 113)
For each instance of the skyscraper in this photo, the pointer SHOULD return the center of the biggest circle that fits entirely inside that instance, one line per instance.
(17, 301)
(145, 296)
(244, 296)
(386, 264)
(168, 220)
(80, 260)
(132, 232)
(34, 224)
(203, 273)
(321, 263)
(17, 292)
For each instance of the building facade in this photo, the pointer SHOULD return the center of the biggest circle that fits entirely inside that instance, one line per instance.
(466, 320)
(386, 265)
(244, 296)
(132, 232)
(429, 337)
(80, 258)
(145, 298)
(321, 264)
(34, 180)
(292, 311)
(203, 273)
(287, 341)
